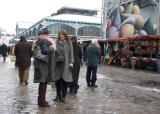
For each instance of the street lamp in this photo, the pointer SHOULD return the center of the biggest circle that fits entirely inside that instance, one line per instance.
(104, 18)
(157, 2)
(158, 14)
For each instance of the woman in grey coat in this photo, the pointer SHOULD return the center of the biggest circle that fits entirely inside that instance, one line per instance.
(63, 66)
(43, 64)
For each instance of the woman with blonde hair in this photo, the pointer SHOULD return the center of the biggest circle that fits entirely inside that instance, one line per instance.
(63, 66)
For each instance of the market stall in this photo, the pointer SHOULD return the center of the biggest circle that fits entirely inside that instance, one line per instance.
(134, 52)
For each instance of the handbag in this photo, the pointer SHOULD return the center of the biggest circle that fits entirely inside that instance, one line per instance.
(13, 58)
(59, 57)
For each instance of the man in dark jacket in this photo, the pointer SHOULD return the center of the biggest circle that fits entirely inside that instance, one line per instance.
(77, 53)
(92, 59)
(158, 60)
(23, 53)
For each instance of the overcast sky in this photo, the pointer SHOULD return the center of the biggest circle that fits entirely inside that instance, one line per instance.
(13, 11)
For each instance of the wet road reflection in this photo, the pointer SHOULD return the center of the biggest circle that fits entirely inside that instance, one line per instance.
(120, 91)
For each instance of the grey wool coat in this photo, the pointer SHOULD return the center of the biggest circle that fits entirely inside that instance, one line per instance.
(63, 70)
(43, 63)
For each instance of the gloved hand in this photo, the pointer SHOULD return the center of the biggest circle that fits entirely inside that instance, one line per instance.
(71, 65)
(81, 64)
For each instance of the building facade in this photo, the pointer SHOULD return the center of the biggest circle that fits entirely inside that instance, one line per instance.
(21, 27)
(82, 23)
(6, 37)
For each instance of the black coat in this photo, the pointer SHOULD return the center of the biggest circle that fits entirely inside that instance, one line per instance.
(23, 52)
(77, 53)
(4, 50)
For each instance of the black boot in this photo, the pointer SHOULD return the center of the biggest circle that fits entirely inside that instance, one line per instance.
(71, 90)
(88, 85)
(63, 99)
(94, 86)
(76, 87)
(58, 98)
(58, 91)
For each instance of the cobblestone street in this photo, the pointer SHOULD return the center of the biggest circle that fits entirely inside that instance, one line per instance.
(120, 91)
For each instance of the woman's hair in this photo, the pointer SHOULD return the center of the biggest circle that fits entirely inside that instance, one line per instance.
(63, 32)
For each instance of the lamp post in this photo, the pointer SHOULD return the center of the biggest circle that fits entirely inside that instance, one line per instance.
(104, 18)
(157, 2)
(158, 14)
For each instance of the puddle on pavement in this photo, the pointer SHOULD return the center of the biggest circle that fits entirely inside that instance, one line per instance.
(101, 76)
(150, 83)
(148, 89)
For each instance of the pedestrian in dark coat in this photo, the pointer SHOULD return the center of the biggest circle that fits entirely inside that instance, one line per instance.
(64, 63)
(43, 64)
(4, 50)
(23, 55)
(158, 59)
(77, 53)
(92, 58)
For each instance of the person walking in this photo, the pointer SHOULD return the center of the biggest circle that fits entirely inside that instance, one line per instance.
(64, 63)
(92, 61)
(77, 53)
(44, 48)
(158, 59)
(4, 51)
(23, 55)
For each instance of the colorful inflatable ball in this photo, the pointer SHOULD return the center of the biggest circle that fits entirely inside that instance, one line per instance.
(112, 32)
(126, 30)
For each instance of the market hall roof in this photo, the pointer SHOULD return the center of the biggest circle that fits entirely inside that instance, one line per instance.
(77, 10)
(76, 14)
(76, 18)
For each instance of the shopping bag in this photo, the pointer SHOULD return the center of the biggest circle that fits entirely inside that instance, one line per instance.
(13, 58)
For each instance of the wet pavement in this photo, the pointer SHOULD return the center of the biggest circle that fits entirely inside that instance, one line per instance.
(120, 91)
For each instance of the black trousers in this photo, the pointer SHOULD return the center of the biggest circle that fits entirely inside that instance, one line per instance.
(4, 58)
(61, 88)
(75, 74)
(91, 75)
